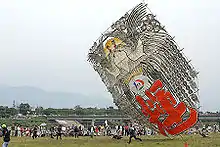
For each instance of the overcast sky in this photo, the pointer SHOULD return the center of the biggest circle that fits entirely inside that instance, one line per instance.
(44, 43)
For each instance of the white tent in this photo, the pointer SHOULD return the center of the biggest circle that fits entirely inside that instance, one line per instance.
(43, 124)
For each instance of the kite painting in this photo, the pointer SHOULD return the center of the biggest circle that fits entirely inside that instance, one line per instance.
(147, 73)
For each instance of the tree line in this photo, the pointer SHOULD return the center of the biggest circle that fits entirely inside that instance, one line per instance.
(26, 109)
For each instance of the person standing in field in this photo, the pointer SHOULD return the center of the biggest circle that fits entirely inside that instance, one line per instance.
(76, 132)
(59, 132)
(6, 135)
(92, 129)
(132, 133)
(19, 131)
(126, 128)
(51, 132)
(34, 132)
(97, 130)
(13, 130)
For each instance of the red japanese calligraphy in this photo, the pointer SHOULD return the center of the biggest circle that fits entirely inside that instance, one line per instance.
(161, 102)
(154, 115)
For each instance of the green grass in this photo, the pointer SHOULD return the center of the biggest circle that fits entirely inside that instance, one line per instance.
(151, 141)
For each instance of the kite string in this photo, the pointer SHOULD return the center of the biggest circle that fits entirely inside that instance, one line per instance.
(184, 140)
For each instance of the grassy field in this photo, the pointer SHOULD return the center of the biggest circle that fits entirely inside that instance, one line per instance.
(152, 141)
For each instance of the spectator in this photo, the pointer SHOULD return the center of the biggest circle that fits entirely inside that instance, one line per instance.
(76, 132)
(34, 132)
(6, 136)
(59, 132)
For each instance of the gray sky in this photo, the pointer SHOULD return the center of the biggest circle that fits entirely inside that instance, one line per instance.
(44, 43)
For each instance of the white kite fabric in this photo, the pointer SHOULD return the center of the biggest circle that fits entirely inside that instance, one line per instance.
(133, 54)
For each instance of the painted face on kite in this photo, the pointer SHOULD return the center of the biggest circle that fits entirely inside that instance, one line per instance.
(112, 45)
(147, 74)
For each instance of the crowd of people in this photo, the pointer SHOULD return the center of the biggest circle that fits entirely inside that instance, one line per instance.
(117, 132)
(58, 131)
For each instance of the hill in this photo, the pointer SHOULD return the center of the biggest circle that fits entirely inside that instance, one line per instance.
(36, 96)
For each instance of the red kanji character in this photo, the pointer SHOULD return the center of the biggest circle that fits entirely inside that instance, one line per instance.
(191, 121)
(153, 115)
(167, 102)
(156, 85)
(175, 113)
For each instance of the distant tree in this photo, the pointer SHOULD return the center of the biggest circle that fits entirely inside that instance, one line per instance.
(6, 112)
(12, 111)
(50, 111)
(24, 108)
(3, 111)
(78, 110)
(77, 107)
(110, 108)
(39, 110)
(200, 112)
